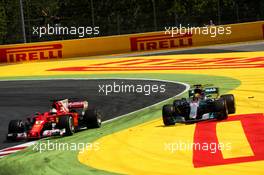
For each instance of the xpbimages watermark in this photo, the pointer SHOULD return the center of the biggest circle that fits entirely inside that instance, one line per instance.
(60, 146)
(212, 31)
(145, 89)
(212, 147)
(64, 30)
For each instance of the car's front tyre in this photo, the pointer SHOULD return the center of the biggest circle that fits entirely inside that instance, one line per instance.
(15, 127)
(167, 115)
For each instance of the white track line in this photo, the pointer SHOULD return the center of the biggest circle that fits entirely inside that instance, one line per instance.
(6, 151)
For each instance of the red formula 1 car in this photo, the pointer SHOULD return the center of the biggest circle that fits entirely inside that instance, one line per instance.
(64, 118)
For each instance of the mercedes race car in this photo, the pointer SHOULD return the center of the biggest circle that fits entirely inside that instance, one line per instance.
(64, 118)
(203, 103)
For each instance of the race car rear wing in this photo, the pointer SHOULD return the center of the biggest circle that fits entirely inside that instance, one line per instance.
(211, 91)
(207, 91)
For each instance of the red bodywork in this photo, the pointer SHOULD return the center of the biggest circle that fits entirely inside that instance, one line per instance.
(63, 108)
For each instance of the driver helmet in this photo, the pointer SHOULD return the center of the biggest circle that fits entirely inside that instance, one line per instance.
(197, 94)
(53, 110)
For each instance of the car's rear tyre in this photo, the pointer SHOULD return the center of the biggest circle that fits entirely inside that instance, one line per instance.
(67, 123)
(221, 109)
(92, 118)
(230, 102)
(167, 115)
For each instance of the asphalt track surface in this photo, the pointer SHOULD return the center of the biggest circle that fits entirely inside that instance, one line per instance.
(20, 99)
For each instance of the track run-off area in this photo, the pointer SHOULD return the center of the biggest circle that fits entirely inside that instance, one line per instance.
(143, 149)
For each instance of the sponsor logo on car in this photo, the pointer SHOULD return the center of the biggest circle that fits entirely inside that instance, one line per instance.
(160, 41)
(210, 90)
(30, 53)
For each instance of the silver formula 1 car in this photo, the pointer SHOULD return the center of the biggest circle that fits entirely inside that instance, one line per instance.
(204, 103)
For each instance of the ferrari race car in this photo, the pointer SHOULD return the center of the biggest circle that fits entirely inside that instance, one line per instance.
(202, 104)
(64, 118)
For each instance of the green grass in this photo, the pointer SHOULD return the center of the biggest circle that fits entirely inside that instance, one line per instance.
(62, 163)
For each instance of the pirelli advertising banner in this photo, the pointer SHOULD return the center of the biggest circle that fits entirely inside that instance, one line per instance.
(173, 37)
(63, 49)
(182, 37)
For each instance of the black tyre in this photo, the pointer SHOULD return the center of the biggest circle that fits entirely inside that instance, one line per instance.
(221, 109)
(16, 126)
(66, 122)
(182, 108)
(92, 118)
(167, 115)
(230, 102)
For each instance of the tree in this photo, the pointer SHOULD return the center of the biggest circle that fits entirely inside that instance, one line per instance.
(120, 17)
(3, 23)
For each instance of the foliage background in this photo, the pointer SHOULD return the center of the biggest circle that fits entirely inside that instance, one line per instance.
(120, 17)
